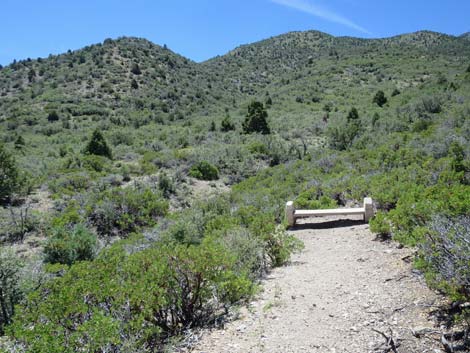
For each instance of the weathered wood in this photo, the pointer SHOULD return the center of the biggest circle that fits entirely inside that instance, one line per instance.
(292, 214)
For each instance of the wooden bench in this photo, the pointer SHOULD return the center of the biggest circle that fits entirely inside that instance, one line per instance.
(367, 211)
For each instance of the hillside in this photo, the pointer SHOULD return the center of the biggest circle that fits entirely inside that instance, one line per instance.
(142, 194)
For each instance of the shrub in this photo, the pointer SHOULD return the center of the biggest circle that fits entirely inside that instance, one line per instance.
(458, 156)
(380, 225)
(70, 183)
(314, 199)
(121, 211)
(142, 296)
(341, 137)
(430, 104)
(68, 245)
(446, 252)
(165, 185)
(281, 245)
(258, 147)
(10, 293)
(95, 163)
(98, 145)
(247, 249)
(204, 171)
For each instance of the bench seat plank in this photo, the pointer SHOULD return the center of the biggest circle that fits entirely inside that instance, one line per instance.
(329, 212)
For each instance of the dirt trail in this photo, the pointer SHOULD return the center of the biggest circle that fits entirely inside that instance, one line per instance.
(331, 297)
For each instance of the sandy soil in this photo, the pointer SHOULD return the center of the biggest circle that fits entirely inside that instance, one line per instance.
(332, 296)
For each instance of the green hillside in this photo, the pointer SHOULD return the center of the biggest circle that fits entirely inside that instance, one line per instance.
(123, 143)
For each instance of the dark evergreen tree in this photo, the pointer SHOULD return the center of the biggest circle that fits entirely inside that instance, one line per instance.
(31, 75)
(226, 124)
(136, 69)
(53, 116)
(380, 98)
(134, 84)
(10, 181)
(98, 146)
(256, 119)
(353, 115)
(19, 143)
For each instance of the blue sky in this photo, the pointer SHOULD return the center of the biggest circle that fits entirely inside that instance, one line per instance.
(201, 29)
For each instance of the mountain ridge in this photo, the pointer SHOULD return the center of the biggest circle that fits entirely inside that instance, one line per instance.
(142, 39)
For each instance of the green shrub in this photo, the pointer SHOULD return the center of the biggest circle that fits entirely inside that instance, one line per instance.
(446, 255)
(166, 185)
(258, 147)
(380, 225)
(96, 163)
(71, 183)
(281, 245)
(314, 199)
(139, 296)
(10, 292)
(204, 171)
(121, 211)
(68, 245)
(69, 216)
(227, 124)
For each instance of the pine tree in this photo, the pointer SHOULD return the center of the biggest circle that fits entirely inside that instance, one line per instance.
(19, 143)
(53, 116)
(380, 98)
(256, 119)
(98, 146)
(226, 124)
(10, 181)
(136, 69)
(353, 115)
(134, 84)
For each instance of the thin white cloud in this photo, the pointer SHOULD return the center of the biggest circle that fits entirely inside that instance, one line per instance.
(318, 11)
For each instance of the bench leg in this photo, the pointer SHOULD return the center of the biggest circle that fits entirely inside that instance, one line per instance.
(368, 209)
(290, 213)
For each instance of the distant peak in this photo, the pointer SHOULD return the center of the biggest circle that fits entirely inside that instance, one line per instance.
(465, 35)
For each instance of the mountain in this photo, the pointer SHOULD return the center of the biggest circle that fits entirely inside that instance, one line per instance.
(123, 74)
(129, 83)
(465, 35)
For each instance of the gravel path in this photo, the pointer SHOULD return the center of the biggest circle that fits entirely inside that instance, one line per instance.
(331, 297)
